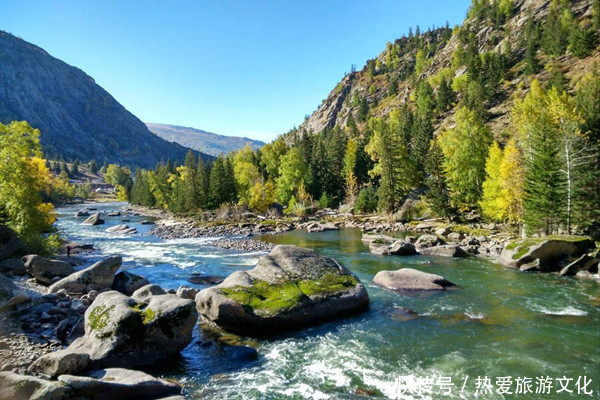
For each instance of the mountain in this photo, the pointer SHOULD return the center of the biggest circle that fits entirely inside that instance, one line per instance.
(77, 118)
(390, 80)
(206, 142)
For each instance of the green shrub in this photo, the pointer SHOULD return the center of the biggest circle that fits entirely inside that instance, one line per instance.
(366, 202)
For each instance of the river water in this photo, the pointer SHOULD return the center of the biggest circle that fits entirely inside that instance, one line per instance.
(480, 340)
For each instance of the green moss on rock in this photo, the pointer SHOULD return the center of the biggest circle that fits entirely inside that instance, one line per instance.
(522, 246)
(328, 284)
(265, 297)
(271, 298)
(99, 317)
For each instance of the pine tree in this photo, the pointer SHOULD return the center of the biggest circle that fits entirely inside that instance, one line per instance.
(445, 96)
(465, 149)
(438, 196)
(93, 167)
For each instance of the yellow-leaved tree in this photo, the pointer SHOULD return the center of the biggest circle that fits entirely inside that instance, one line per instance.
(23, 178)
(491, 203)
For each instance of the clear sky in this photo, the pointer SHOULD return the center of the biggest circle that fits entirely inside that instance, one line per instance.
(249, 68)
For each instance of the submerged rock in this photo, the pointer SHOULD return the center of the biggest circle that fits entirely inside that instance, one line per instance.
(119, 384)
(94, 219)
(122, 229)
(45, 270)
(397, 248)
(202, 279)
(553, 252)
(289, 288)
(411, 279)
(99, 276)
(82, 213)
(127, 282)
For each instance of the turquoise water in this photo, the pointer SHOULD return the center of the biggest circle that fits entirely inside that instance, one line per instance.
(497, 323)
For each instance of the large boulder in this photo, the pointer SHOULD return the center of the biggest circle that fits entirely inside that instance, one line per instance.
(144, 293)
(25, 387)
(446, 250)
(13, 266)
(99, 276)
(119, 384)
(123, 332)
(94, 219)
(10, 245)
(10, 294)
(289, 288)
(45, 270)
(587, 262)
(554, 252)
(411, 279)
(127, 282)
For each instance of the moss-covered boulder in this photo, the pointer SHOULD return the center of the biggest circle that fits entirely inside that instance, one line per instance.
(289, 288)
(123, 332)
(553, 252)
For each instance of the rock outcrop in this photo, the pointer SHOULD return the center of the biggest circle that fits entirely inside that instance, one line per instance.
(122, 229)
(289, 288)
(99, 276)
(553, 252)
(411, 279)
(45, 270)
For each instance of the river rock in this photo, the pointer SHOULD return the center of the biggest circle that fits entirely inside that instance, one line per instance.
(10, 245)
(455, 236)
(45, 270)
(202, 279)
(411, 279)
(13, 266)
(99, 276)
(290, 287)
(94, 219)
(122, 229)
(82, 213)
(77, 248)
(147, 222)
(144, 293)
(587, 262)
(555, 252)
(119, 384)
(20, 387)
(187, 292)
(59, 363)
(398, 248)
(114, 214)
(377, 238)
(447, 250)
(10, 294)
(127, 282)
(428, 241)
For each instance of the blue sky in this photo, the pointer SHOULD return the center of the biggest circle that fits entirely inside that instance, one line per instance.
(249, 68)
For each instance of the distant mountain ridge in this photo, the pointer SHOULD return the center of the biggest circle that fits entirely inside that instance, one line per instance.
(205, 142)
(77, 118)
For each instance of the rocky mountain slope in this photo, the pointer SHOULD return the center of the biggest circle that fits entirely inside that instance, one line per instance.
(77, 118)
(205, 142)
(389, 80)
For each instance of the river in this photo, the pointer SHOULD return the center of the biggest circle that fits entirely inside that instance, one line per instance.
(499, 326)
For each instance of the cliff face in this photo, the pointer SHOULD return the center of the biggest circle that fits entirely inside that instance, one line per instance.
(76, 117)
(374, 80)
(206, 142)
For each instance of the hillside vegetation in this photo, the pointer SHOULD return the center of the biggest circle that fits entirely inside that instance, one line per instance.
(499, 116)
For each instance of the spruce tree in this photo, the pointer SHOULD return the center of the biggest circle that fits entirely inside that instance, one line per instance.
(438, 196)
